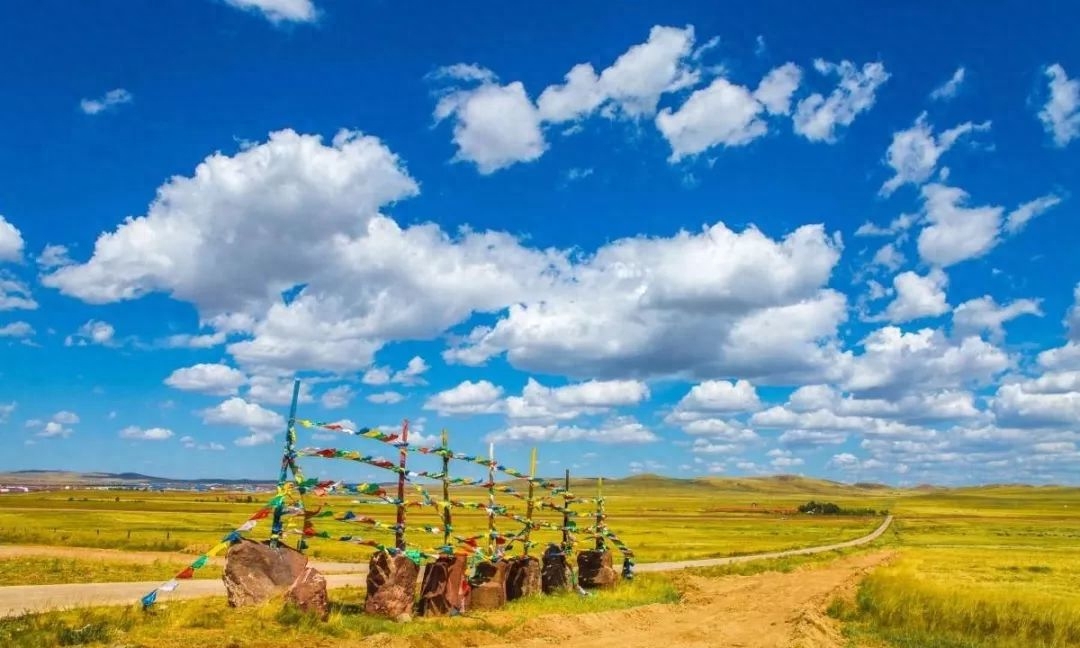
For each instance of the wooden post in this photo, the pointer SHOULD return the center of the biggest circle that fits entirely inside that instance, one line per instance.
(286, 462)
(567, 545)
(529, 502)
(599, 514)
(491, 500)
(399, 532)
(446, 487)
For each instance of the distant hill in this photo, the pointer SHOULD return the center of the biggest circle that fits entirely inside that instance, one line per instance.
(54, 478)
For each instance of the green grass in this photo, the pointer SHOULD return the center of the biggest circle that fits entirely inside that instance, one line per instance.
(52, 571)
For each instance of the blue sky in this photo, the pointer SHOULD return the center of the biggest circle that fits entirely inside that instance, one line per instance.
(666, 238)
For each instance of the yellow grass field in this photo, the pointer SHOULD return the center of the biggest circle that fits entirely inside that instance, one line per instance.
(976, 567)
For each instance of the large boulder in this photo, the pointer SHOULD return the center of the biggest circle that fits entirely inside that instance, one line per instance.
(445, 586)
(391, 586)
(522, 577)
(488, 586)
(255, 572)
(595, 569)
(308, 593)
(555, 574)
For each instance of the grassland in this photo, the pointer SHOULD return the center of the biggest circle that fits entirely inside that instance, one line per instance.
(33, 570)
(990, 567)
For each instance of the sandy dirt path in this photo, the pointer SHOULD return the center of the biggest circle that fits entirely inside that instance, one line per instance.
(20, 599)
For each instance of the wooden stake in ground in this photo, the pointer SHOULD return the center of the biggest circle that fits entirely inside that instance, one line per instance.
(567, 543)
(491, 500)
(599, 513)
(446, 487)
(403, 453)
(286, 463)
(529, 502)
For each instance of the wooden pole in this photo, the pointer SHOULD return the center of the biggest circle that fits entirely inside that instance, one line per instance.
(529, 502)
(286, 462)
(491, 499)
(446, 487)
(599, 514)
(567, 545)
(399, 532)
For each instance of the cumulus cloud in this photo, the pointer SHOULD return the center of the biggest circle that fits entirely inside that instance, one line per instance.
(11, 242)
(279, 11)
(107, 101)
(1060, 115)
(92, 332)
(818, 118)
(917, 296)
(956, 232)
(643, 306)
(136, 433)
(716, 396)
(984, 314)
(481, 397)
(615, 431)
(241, 413)
(495, 126)
(727, 114)
(215, 379)
(18, 330)
(386, 398)
(276, 389)
(540, 403)
(337, 397)
(14, 294)
(914, 153)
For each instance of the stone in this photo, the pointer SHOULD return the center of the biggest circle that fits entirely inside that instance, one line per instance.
(522, 577)
(595, 570)
(391, 585)
(488, 586)
(308, 593)
(555, 573)
(445, 586)
(255, 572)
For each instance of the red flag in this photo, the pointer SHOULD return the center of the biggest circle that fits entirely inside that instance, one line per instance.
(260, 514)
(187, 573)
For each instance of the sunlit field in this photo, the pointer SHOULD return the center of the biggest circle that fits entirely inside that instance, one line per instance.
(980, 567)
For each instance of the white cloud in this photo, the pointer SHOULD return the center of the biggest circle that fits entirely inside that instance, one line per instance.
(480, 397)
(16, 330)
(254, 439)
(844, 461)
(276, 389)
(337, 397)
(376, 376)
(817, 118)
(14, 294)
(92, 332)
(65, 417)
(914, 153)
(1020, 216)
(975, 316)
(540, 403)
(1061, 113)
(495, 126)
(277, 11)
(151, 434)
(11, 242)
(888, 256)
(727, 114)
(717, 396)
(918, 296)
(615, 431)
(110, 99)
(215, 379)
(950, 88)
(190, 341)
(783, 459)
(1072, 318)
(410, 375)
(6, 410)
(386, 398)
(899, 225)
(643, 305)
(54, 429)
(53, 256)
(580, 95)
(896, 361)
(239, 412)
(956, 232)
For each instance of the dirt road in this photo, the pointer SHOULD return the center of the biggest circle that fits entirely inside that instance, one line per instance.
(19, 599)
